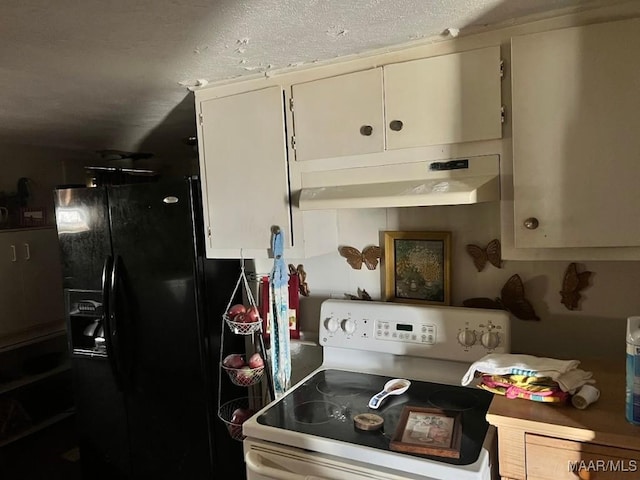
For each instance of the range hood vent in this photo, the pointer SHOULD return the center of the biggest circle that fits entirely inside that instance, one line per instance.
(451, 182)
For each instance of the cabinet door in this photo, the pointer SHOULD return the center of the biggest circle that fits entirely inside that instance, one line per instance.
(39, 256)
(440, 100)
(244, 169)
(576, 98)
(339, 116)
(11, 300)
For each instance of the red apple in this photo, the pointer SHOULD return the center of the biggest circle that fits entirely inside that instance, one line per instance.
(255, 361)
(239, 416)
(252, 315)
(244, 318)
(236, 431)
(239, 318)
(236, 310)
(235, 360)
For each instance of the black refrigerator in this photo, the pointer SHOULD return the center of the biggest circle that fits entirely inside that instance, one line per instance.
(144, 315)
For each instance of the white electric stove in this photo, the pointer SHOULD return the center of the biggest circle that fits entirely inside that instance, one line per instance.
(310, 434)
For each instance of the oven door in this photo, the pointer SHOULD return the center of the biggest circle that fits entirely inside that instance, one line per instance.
(269, 461)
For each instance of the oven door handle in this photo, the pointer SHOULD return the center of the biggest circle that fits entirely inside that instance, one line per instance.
(254, 463)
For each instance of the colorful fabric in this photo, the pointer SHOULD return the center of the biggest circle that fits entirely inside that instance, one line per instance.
(539, 389)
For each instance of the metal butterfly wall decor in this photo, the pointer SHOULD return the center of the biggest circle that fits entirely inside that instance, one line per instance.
(511, 299)
(572, 283)
(369, 256)
(362, 295)
(492, 253)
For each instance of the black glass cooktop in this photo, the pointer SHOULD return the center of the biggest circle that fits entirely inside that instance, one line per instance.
(325, 404)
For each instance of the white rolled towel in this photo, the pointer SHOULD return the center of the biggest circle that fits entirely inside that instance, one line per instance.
(516, 364)
(573, 380)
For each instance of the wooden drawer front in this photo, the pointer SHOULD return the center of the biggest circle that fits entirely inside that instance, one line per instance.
(553, 459)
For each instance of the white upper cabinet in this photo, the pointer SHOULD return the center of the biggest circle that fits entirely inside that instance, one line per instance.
(439, 100)
(446, 99)
(576, 136)
(339, 116)
(243, 164)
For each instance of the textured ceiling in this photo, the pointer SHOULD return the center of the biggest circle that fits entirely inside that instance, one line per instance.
(95, 74)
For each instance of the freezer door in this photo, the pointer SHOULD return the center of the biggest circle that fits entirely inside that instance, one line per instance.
(159, 330)
(101, 420)
(83, 233)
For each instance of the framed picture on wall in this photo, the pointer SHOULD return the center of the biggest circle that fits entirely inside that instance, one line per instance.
(417, 267)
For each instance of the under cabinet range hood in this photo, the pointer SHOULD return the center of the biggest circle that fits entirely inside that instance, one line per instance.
(460, 181)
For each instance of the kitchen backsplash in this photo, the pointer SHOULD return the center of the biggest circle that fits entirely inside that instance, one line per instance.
(596, 328)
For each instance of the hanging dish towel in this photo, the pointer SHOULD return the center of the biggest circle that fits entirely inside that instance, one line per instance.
(281, 353)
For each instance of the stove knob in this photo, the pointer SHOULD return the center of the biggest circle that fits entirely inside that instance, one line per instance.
(349, 326)
(467, 337)
(490, 340)
(331, 324)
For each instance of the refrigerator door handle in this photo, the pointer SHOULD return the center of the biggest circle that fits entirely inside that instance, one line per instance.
(107, 302)
(114, 319)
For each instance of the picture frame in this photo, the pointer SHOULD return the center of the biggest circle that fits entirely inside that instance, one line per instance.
(418, 267)
(33, 216)
(428, 431)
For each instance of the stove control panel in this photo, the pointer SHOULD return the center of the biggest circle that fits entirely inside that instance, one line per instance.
(408, 332)
(451, 333)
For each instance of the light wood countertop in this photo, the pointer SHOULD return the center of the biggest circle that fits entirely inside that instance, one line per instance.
(602, 422)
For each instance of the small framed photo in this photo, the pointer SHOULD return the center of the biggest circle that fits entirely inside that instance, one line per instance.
(428, 431)
(417, 267)
(33, 217)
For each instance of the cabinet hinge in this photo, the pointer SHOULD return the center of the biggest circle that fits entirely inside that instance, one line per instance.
(209, 232)
(293, 142)
(503, 114)
(200, 119)
(501, 68)
(291, 104)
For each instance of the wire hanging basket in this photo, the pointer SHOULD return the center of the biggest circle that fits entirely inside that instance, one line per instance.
(235, 412)
(244, 376)
(242, 328)
(243, 371)
(243, 324)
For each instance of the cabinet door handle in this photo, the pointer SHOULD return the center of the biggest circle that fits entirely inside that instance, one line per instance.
(27, 252)
(531, 223)
(366, 130)
(396, 125)
(14, 257)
